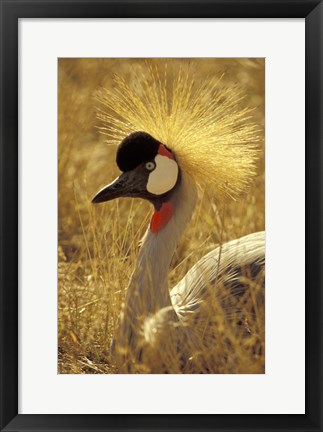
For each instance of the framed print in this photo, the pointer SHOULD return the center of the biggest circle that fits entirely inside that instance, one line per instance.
(164, 98)
(146, 150)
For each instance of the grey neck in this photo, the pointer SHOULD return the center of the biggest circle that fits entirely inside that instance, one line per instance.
(148, 288)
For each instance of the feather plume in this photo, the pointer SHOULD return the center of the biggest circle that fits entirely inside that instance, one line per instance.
(214, 140)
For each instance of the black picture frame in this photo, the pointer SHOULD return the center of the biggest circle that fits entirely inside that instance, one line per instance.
(11, 11)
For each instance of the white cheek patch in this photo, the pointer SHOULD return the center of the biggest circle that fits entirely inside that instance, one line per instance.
(164, 176)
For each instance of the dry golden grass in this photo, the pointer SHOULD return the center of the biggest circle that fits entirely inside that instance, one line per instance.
(98, 246)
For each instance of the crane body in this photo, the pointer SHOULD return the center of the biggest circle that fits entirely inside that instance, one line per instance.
(166, 150)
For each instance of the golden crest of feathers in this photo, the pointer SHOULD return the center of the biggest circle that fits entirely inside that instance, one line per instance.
(213, 138)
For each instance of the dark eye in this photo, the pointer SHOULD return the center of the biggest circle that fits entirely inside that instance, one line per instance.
(150, 166)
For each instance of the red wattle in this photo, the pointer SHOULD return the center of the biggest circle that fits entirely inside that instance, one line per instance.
(161, 217)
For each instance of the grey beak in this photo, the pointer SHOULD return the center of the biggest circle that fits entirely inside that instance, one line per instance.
(120, 187)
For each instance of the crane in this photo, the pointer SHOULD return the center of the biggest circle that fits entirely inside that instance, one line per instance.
(168, 147)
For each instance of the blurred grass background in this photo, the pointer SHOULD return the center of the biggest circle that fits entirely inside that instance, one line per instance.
(97, 246)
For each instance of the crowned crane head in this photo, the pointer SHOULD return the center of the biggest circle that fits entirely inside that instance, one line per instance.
(149, 170)
(175, 126)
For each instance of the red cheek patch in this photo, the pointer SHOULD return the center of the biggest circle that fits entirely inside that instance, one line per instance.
(164, 152)
(161, 217)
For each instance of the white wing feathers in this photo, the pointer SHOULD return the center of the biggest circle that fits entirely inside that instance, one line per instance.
(218, 266)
